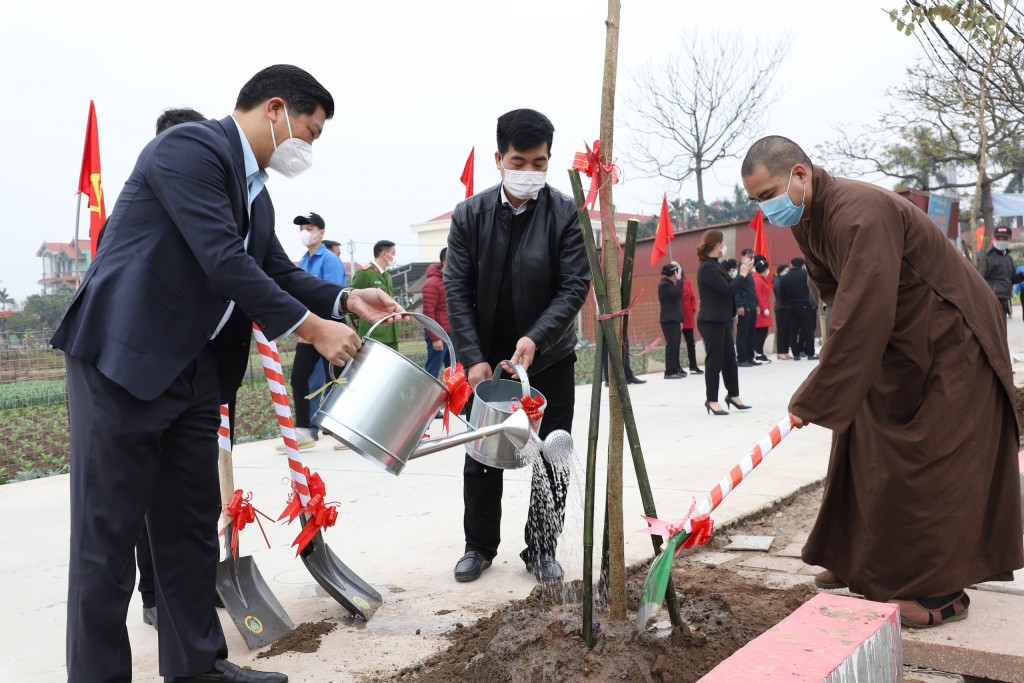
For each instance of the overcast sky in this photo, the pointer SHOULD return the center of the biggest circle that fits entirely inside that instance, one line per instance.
(417, 84)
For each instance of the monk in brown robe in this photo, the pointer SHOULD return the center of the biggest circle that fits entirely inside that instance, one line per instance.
(922, 496)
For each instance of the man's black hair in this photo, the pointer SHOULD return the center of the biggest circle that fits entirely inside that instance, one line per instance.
(331, 244)
(729, 263)
(295, 86)
(777, 154)
(444, 254)
(782, 267)
(797, 262)
(172, 117)
(524, 129)
(747, 252)
(381, 246)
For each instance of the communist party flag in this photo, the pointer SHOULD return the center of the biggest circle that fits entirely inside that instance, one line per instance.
(760, 241)
(89, 180)
(467, 174)
(664, 234)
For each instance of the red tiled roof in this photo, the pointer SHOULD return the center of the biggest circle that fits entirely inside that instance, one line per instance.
(65, 248)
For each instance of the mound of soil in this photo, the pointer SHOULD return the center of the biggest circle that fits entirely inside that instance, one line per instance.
(539, 638)
(305, 638)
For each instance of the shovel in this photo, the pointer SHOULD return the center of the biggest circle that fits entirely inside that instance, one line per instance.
(340, 582)
(257, 614)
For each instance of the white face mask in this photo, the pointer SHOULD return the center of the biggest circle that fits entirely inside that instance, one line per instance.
(308, 237)
(1001, 245)
(524, 184)
(292, 156)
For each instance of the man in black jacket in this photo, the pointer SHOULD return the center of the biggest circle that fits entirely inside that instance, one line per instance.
(796, 295)
(516, 277)
(999, 269)
(746, 319)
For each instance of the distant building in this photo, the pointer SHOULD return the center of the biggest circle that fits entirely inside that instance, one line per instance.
(59, 265)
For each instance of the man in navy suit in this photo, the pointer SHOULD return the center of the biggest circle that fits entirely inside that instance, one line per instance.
(156, 336)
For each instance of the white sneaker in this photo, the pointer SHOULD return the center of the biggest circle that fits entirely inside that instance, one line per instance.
(303, 437)
(341, 446)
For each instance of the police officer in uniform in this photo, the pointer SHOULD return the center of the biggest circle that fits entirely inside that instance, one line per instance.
(375, 275)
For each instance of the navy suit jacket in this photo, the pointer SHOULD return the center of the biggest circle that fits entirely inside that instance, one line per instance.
(173, 257)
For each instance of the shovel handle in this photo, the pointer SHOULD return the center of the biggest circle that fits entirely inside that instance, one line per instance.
(226, 475)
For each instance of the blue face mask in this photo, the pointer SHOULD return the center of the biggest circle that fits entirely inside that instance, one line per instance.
(781, 210)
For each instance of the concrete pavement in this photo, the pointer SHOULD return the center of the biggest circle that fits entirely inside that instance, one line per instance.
(403, 534)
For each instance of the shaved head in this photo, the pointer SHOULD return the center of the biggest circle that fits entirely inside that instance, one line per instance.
(776, 153)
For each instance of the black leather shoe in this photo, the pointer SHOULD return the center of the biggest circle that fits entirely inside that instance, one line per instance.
(223, 670)
(471, 566)
(635, 380)
(545, 568)
(696, 371)
(813, 356)
(673, 376)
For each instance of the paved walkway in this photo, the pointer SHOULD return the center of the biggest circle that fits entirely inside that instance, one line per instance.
(403, 534)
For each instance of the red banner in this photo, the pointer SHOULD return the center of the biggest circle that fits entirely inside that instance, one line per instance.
(467, 174)
(760, 241)
(89, 179)
(664, 234)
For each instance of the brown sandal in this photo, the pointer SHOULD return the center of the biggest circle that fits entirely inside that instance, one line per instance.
(828, 581)
(915, 615)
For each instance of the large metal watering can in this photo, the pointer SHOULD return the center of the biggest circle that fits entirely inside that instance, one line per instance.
(383, 403)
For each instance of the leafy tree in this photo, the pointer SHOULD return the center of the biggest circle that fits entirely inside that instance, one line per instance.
(5, 299)
(47, 310)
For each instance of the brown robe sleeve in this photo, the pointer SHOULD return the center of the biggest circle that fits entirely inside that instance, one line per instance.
(859, 270)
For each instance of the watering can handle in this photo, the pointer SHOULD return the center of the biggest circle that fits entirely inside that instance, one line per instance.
(523, 379)
(427, 322)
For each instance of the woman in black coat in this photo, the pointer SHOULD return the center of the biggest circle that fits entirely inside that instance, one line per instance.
(714, 320)
(670, 296)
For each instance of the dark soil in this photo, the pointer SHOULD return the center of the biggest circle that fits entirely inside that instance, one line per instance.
(539, 638)
(305, 638)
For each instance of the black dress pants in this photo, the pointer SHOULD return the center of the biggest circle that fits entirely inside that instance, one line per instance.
(781, 331)
(801, 329)
(760, 337)
(721, 359)
(306, 358)
(671, 332)
(483, 485)
(134, 460)
(745, 327)
(691, 348)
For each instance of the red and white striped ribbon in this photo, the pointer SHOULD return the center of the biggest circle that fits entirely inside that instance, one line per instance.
(738, 473)
(279, 394)
(224, 431)
(746, 466)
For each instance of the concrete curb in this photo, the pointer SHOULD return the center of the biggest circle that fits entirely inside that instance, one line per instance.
(829, 639)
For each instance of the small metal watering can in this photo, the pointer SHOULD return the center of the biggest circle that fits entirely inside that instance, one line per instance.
(493, 404)
(386, 403)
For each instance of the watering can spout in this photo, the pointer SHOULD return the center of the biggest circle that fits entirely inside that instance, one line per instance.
(515, 428)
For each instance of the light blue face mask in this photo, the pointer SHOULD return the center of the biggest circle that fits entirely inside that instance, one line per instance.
(781, 210)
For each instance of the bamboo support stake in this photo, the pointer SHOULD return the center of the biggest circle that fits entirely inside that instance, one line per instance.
(588, 506)
(617, 377)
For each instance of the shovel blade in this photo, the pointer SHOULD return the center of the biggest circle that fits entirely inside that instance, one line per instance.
(253, 608)
(343, 584)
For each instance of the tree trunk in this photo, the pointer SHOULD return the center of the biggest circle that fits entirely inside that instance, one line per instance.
(617, 561)
(702, 213)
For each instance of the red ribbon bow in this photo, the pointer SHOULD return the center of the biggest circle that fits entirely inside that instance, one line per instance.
(590, 163)
(321, 516)
(701, 528)
(532, 407)
(241, 512)
(294, 507)
(459, 391)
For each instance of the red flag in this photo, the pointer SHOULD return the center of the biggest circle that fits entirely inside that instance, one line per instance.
(760, 241)
(467, 174)
(664, 234)
(89, 179)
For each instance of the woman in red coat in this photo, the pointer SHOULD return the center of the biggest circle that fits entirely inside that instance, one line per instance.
(764, 314)
(689, 321)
